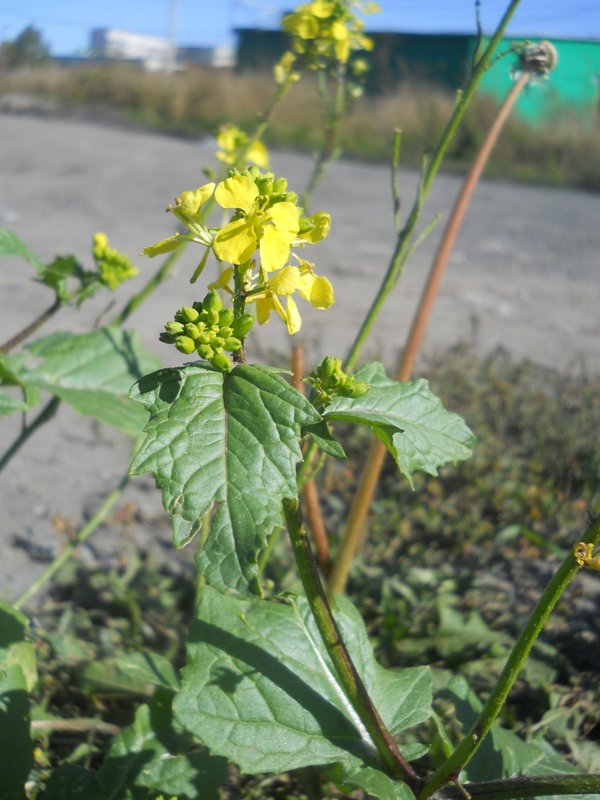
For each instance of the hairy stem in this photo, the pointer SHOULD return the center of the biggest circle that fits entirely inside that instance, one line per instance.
(480, 728)
(344, 666)
(87, 530)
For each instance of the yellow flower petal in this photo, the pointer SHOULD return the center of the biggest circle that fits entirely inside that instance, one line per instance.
(223, 280)
(321, 8)
(286, 281)
(237, 192)
(320, 294)
(274, 248)
(285, 217)
(322, 225)
(164, 246)
(293, 319)
(236, 242)
(191, 201)
(264, 306)
(258, 154)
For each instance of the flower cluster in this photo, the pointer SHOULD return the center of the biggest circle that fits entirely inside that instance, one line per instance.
(113, 267)
(235, 145)
(208, 329)
(329, 380)
(265, 221)
(326, 31)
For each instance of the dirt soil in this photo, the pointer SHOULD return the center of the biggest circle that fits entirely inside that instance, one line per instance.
(524, 276)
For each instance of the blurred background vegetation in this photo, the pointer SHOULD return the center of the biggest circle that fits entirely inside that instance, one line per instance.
(194, 102)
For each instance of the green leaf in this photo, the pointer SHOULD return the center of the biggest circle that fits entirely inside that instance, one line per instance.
(93, 372)
(8, 404)
(321, 435)
(57, 273)
(408, 418)
(152, 753)
(130, 673)
(227, 443)
(503, 754)
(259, 687)
(156, 753)
(11, 245)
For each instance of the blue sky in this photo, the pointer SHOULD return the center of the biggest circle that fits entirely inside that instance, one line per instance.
(65, 24)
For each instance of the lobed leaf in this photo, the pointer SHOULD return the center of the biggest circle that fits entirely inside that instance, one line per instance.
(259, 688)
(93, 373)
(408, 418)
(227, 444)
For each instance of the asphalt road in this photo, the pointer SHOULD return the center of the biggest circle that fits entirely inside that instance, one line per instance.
(524, 275)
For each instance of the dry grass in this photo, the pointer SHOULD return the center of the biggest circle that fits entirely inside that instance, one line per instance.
(198, 101)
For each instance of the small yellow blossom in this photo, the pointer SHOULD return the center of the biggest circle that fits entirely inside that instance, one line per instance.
(188, 210)
(113, 267)
(255, 224)
(235, 146)
(316, 290)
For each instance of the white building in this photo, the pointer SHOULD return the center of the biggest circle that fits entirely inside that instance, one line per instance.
(154, 52)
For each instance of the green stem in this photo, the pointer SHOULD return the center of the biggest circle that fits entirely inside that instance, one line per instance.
(87, 530)
(451, 768)
(429, 172)
(349, 678)
(512, 788)
(332, 121)
(33, 326)
(45, 414)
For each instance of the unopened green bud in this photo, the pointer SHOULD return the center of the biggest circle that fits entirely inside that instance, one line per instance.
(212, 317)
(354, 388)
(328, 367)
(218, 342)
(185, 345)
(225, 332)
(242, 325)
(205, 351)
(279, 185)
(187, 314)
(291, 197)
(192, 331)
(174, 328)
(222, 362)
(212, 302)
(264, 186)
(166, 338)
(254, 172)
(232, 344)
(226, 316)
(203, 338)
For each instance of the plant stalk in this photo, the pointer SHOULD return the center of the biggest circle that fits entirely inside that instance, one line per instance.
(33, 326)
(45, 414)
(430, 170)
(376, 457)
(87, 530)
(466, 748)
(344, 666)
(511, 788)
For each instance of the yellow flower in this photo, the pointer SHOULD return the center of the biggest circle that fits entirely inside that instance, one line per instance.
(317, 290)
(113, 267)
(235, 143)
(255, 224)
(187, 209)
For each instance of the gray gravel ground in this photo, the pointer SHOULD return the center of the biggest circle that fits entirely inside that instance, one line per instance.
(524, 275)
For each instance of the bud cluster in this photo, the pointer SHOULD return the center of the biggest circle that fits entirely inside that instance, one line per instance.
(329, 380)
(269, 187)
(208, 329)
